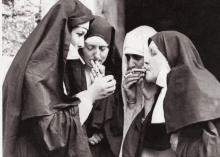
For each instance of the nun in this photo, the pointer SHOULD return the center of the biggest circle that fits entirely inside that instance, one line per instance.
(104, 125)
(192, 101)
(144, 131)
(39, 119)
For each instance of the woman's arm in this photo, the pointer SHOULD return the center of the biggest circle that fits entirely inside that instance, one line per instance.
(62, 133)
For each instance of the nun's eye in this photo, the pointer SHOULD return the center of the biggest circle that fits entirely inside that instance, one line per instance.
(103, 48)
(90, 47)
(128, 57)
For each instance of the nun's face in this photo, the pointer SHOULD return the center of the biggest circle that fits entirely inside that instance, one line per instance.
(133, 59)
(95, 49)
(77, 37)
(153, 60)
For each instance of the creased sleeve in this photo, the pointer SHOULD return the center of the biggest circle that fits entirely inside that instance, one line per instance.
(60, 132)
(202, 142)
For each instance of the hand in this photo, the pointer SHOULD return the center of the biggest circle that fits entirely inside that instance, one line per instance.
(148, 89)
(129, 84)
(97, 71)
(96, 138)
(174, 141)
(101, 88)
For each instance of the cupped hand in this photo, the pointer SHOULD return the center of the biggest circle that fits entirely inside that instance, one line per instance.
(102, 88)
(129, 84)
(148, 89)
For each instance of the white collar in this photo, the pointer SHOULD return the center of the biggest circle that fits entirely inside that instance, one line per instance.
(73, 54)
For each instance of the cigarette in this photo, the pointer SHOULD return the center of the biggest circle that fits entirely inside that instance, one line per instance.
(82, 60)
(138, 70)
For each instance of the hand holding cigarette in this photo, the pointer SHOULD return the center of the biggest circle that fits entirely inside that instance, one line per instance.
(134, 70)
(98, 70)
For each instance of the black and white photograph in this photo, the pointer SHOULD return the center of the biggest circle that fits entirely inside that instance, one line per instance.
(110, 78)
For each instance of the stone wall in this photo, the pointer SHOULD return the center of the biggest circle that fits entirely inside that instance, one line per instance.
(20, 18)
(18, 21)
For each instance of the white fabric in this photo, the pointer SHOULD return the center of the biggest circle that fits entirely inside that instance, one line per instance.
(73, 54)
(158, 113)
(136, 40)
(85, 106)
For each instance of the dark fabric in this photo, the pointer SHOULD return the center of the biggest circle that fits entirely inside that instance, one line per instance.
(49, 134)
(107, 114)
(201, 140)
(101, 28)
(33, 86)
(102, 149)
(142, 134)
(100, 119)
(193, 93)
(157, 138)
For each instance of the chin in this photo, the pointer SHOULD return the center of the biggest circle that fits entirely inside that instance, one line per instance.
(149, 79)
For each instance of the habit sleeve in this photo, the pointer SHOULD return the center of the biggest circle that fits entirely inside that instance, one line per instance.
(202, 141)
(60, 131)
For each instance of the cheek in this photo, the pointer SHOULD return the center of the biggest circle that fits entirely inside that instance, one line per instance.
(104, 55)
(75, 39)
(87, 54)
(155, 68)
(140, 63)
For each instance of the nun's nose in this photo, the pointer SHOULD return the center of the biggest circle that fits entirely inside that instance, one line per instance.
(81, 43)
(146, 58)
(97, 54)
(131, 63)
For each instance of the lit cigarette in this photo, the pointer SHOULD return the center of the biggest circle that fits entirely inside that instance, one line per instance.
(81, 59)
(138, 70)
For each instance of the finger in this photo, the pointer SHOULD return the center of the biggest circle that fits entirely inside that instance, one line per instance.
(93, 64)
(111, 90)
(91, 141)
(95, 69)
(91, 76)
(141, 83)
(97, 137)
(94, 139)
(108, 78)
(101, 135)
(131, 79)
(127, 72)
(111, 84)
(93, 73)
(131, 75)
(101, 68)
(127, 86)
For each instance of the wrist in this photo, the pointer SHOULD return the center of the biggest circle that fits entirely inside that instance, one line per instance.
(86, 95)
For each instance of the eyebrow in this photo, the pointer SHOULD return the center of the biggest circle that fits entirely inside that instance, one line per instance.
(135, 55)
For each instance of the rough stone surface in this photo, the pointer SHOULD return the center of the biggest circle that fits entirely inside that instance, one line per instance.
(18, 21)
